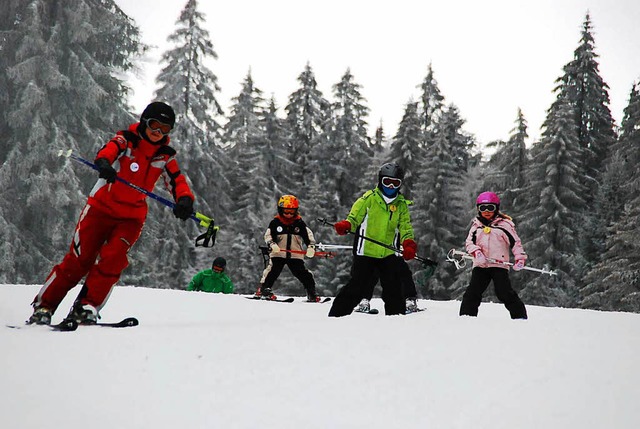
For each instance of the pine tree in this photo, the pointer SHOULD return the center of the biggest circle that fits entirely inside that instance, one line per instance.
(552, 226)
(506, 168)
(583, 87)
(187, 85)
(613, 283)
(252, 184)
(349, 137)
(308, 113)
(432, 103)
(439, 214)
(62, 92)
(406, 148)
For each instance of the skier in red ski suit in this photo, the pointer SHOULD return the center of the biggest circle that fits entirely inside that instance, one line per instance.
(114, 215)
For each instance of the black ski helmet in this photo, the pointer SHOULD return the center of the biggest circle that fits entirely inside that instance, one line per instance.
(159, 111)
(390, 169)
(219, 262)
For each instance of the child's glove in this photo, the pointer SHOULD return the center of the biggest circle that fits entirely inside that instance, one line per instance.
(105, 170)
(518, 265)
(311, 251)
(273, 247)
(479, 260)
(342, 227)
(183, 208)
(409, 248)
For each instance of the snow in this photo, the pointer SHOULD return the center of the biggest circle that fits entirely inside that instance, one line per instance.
(202, 360)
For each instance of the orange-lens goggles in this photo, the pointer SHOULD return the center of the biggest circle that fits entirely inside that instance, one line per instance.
(289, 211)
(218, 269)
(161, 127)
(391, 182)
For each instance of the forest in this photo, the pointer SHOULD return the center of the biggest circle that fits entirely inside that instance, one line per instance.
(573, 194)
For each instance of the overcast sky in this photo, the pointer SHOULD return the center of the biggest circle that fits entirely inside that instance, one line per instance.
(489, 58)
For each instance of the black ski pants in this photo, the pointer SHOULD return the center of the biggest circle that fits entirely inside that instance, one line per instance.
(406, 280)
(480, 279)
(363, 271)
(297, 268)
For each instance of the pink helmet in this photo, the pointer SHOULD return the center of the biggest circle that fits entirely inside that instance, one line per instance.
(488, 197)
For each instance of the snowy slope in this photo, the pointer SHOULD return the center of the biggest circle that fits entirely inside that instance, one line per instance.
(213, 361)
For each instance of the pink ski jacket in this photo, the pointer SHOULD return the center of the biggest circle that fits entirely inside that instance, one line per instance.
(495, 240)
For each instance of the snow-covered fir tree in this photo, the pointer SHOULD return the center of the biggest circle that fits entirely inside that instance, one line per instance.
(505, 170)
(613, 283)
(252, 186)
(440, 214)
(59, 92)
(190, 88)
(308, 113)
(349, 138)
(551, 228)
(406, 148)
(582, 86)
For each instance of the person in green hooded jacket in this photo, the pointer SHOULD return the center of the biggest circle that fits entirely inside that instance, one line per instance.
(212, 280)
(381, 214)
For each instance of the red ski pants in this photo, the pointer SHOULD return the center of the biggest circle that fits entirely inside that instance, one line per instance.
(99, 251)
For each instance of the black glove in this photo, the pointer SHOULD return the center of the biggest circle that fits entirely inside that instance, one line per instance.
(107, 172)
(184, 208)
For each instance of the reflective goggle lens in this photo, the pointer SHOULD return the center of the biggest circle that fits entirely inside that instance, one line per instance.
(156, 125)
(289, 211)
(391, 182)
(218, 269)
(487, 207)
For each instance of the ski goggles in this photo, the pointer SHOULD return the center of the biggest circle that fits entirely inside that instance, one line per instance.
(218, 269)
(391, 182)
(487, 207)
(289, 211)
(161, 127)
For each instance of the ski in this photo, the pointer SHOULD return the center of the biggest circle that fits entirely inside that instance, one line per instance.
(124, 323)
(372, 311)
(322, 301)
(418, 310)
(66, 325)
(258, 298)
(69, 325)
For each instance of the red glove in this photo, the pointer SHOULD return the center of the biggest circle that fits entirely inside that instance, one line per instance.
(342, 227)
(409, 249)
(518, 265)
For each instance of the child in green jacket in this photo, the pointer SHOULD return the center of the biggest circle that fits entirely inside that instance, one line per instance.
(214, 280)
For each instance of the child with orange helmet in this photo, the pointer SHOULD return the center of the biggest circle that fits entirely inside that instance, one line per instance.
(289, 240)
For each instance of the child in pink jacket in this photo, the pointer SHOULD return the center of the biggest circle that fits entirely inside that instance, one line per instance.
(491, 237)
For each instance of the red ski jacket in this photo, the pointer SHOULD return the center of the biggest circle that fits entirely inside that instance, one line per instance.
(140, 162)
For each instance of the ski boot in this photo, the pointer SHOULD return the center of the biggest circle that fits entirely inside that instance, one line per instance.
(412, 305)
(40, 316)
(364, 306)
(83, 314)
(313, 298)
(266, 293)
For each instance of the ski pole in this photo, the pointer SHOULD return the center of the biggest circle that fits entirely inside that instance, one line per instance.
(266, 250)
(208, 238)
(458, 257)
(424, 261)
(333, 246)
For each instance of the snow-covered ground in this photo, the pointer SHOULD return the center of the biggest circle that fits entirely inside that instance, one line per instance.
(201, 360)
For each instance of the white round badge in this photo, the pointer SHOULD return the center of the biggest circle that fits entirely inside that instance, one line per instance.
(134, 167)
(279, 229)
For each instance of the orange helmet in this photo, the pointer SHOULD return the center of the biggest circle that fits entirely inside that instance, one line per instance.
(287, 202)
